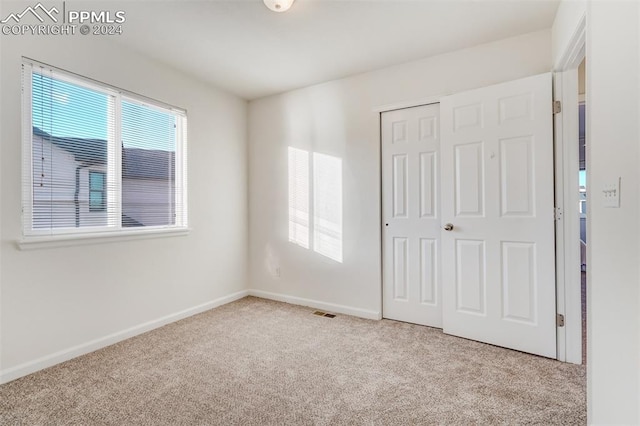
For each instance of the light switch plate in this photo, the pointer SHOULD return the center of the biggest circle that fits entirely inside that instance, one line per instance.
(611, 194)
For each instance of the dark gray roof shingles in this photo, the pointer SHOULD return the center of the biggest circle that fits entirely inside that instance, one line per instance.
(136, 163)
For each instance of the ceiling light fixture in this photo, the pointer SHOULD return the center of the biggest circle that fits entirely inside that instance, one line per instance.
(278, 5)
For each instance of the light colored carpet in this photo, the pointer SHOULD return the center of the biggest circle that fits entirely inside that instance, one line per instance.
(258, 362)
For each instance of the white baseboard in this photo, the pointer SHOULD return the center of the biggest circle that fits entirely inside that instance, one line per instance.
(93, 345)
(82, 349)
(331, 307)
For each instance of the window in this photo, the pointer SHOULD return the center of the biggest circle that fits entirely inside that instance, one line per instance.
(97, 185)
(97, 159)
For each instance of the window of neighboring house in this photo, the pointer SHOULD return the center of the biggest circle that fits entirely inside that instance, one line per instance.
(97, 191)
(99, 159)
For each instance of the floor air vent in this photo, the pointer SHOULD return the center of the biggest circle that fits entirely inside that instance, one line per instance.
(324, 314)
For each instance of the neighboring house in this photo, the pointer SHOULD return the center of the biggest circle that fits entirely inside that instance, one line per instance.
(148, 187)
(80, 194)
(583, 188)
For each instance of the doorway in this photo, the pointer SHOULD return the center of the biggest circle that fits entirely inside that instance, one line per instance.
(572, 224)
(582, 210)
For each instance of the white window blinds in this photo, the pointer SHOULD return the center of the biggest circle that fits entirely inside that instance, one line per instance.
(98, 160)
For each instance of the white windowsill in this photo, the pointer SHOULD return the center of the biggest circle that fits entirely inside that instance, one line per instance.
(67, 240)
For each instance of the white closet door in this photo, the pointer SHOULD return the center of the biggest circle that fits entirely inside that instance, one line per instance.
(411, 215)
(498, 261)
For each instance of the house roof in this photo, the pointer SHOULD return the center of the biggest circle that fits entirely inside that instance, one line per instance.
(148, 164)
(90, 151)
(136, 163)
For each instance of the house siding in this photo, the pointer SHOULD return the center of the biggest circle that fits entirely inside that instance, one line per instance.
(150, 202)
(53, 171)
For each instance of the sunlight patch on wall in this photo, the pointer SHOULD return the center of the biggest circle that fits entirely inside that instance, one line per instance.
(299, 197)
(327, 206)
(315, 202)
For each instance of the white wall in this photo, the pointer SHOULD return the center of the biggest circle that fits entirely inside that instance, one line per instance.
(569, 14)
(56, 301)
(338, 118)
(613, 138)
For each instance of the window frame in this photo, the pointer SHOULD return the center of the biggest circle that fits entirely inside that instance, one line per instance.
(113, 176)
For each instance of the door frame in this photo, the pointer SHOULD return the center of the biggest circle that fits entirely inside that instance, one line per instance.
(566, 137)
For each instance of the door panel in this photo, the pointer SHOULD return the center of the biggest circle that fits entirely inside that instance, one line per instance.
(428, 171)
(516, 177)
(498, 262)
(400, 183)
(518, 282)
(469, 179)
(411, 234)
(470, 276)
(400, 268)
(428, 270)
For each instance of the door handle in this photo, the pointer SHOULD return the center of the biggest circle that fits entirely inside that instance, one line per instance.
(448, 227)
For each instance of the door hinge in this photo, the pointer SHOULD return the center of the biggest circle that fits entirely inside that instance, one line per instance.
(557, 107)
(557, 213)
(560, 320)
